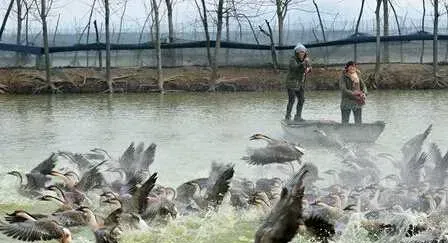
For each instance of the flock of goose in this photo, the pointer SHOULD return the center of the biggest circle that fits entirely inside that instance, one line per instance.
(407, 206)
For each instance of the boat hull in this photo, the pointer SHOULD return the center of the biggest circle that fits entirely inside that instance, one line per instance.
(349, 133)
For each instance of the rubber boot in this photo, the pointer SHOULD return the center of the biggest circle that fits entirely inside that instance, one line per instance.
(298, 116)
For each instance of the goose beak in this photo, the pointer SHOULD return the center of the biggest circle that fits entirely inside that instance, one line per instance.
(56, 173)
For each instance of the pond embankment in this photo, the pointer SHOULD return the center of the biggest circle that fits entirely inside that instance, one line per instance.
(196, 79)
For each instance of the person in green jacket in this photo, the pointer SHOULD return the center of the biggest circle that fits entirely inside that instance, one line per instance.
(299, 67)
(353, 93)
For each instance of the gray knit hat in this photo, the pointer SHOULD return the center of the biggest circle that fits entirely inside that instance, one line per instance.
(300, 47)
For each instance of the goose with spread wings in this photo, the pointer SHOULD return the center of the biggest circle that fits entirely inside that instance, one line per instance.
(37, 178)
(276, 151)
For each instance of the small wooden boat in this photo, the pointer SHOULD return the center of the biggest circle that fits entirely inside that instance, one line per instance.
(349, 133)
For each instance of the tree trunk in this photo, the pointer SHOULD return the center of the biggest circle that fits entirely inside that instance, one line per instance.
(43, 16)
(88, 31)
(121, 21)
(19, 31)
(280, 31)
(378, 33)
(100, 55)
(271, 38)
(323, 31)
(5, 19)
(214, 75)
(169, 8)
(423, 29)
(227, 34)
(252, 29)
(386, 30)
(355, 55)
(399, 30)
(435, 44)
(155, 9)
(108, 74)
(446, 48)
(27, 23)
(56, 30)
(140, 37)
(281, 13)
(204, 20)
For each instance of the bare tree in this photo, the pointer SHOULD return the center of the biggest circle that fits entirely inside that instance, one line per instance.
(100, 55)
(271, 38)
(446, 52)
(322, 29)
(56, 30)
(125, 4)
(27, 22)
(43, 13)
(399, 30)
(219, 15)
(423, 31)
(378, 33)
(156, 21)
(88, 30)
(169, 9)
(435, 43)
(108, 74)
(5, 19)
(282, 7)
(19, 30)
(203, 15)
(357, 30)
(386, 30)
(140, 37)
(251, 28)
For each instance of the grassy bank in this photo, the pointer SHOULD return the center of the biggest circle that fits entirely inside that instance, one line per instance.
(90, 80)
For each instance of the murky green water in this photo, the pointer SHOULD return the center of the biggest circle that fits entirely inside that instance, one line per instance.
(191, 130)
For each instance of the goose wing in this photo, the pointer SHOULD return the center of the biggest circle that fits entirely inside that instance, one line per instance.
(219, 184)
(148, 157)
(80, 160)
(414, 145)
(127, 159)
(69, 218)
(42, 229)
(143, 192)
(270, 155)
(46, 166)
(91, 179)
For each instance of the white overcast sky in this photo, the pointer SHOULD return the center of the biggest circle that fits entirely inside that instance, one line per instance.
(74, 13)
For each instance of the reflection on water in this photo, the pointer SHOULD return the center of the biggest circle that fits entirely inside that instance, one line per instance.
(193, 129)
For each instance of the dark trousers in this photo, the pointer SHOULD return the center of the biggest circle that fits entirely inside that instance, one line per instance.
(298, 93)
(357, 113)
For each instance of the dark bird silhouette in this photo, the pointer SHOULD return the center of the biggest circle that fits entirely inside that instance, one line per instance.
(283, 222)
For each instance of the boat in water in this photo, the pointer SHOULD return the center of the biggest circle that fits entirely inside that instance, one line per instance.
(305, 131)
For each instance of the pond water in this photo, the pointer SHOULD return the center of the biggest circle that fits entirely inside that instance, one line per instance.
(191, 130)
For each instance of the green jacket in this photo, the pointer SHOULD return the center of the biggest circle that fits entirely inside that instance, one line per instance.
(348, 100)
(295, 78)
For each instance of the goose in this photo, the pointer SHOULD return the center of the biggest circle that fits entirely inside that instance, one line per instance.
(102, 234)
(276, 151)
(30, 228)
(37, 178)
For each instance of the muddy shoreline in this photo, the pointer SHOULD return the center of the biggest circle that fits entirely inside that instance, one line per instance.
(195, 79)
